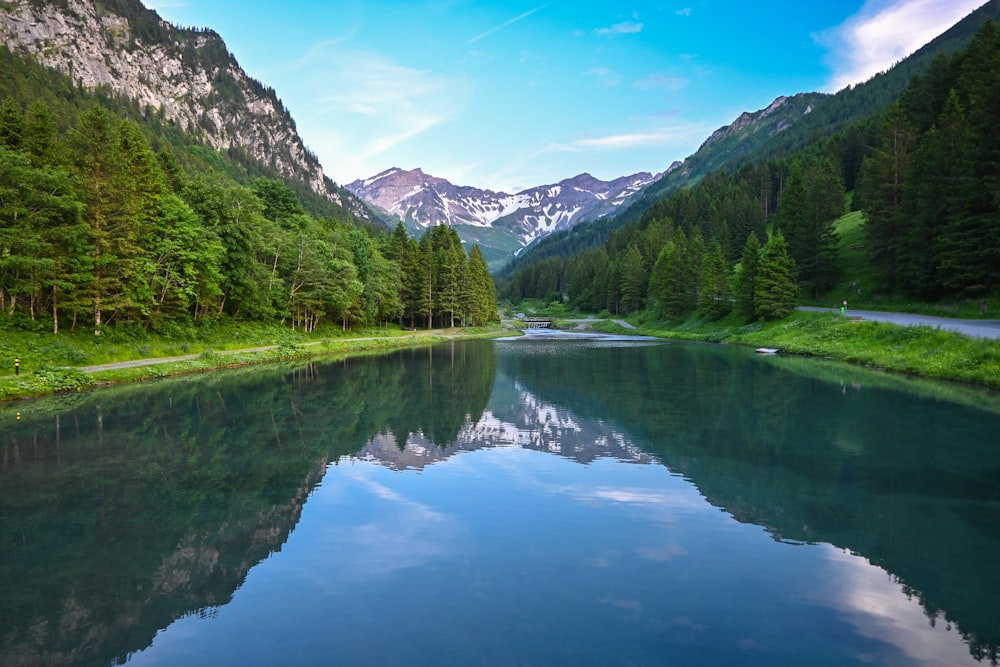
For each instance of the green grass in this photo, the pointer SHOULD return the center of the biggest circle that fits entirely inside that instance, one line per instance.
(922, 351)
(49, 363)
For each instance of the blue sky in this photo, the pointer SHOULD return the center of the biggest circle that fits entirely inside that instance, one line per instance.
(510, 95)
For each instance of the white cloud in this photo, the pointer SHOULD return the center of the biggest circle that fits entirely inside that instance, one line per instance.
(665, 136)
(886, 31)
(623, 28)
(369, 105)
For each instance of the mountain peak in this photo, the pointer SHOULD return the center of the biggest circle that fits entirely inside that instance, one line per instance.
(484, 216)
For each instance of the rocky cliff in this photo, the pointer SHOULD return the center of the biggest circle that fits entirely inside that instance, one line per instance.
(186, 76)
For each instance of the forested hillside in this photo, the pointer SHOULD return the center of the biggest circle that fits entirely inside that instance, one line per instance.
(109, 217)
(774, 134)
(925, 173)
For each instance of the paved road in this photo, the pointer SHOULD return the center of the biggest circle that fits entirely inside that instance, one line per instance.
(972, 328)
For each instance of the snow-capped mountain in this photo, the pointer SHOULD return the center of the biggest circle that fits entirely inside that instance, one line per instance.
(421, 201)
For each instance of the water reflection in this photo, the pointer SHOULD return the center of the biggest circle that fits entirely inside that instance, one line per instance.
(423, 483)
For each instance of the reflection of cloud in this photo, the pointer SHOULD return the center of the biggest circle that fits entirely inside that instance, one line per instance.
(407, 534)
(633, 606)
(662, 554)
(885, 32)
(875, 603)
(658, 503)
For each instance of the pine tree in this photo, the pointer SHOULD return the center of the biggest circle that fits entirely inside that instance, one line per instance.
(775, 289)
(483, 306)
(812, 200)
(634, 280)
(715, 300)
(882, 188)
(963, 241)
(746, 278)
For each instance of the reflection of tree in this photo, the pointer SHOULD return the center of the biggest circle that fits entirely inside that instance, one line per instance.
(139, 505)
(905, 482)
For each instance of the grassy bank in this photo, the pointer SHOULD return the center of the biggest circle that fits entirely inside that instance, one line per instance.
(52, 364)
(922, 351)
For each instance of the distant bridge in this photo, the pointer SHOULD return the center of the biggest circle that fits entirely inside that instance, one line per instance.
(537, 322)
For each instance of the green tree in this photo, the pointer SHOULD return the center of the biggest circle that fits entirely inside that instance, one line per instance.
(43, 243)
(184, 259)
(635, 280)
(716, 297)
(882, 188)
(745, 280)
(812, 200)
(483, 304)
(774, 289)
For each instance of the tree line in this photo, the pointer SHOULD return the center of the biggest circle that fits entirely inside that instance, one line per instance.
(98, 229)
(930, 187)
(925, 173)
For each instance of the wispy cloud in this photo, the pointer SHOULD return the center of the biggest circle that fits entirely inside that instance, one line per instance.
(623, 28)
(664, 81)
(684, 12)
(374, 103)
(505, 24)
(605, 77)
(884, 32)
(665, 136)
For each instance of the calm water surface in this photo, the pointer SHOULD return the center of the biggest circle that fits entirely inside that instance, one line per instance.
(567, 501)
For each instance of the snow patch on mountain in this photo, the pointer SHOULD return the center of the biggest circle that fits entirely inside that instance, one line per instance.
(421, 201)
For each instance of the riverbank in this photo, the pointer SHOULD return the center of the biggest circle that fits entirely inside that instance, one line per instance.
(913, 350)
(54, 378)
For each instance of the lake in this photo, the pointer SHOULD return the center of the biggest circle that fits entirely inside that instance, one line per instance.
(549, 500)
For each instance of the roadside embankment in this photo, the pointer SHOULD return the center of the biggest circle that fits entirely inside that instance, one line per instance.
(920, 350)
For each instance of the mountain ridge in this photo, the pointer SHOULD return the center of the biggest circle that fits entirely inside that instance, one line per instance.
(421, 201)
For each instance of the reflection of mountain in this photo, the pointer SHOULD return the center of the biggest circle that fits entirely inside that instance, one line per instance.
(535, 425)
(132, 507)
(906, 483)
(141, 505)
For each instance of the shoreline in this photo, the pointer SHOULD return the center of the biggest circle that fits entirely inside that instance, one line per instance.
(913, 351)
(53, 381)
(909, 351)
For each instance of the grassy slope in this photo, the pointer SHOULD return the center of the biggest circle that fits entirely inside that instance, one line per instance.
(859, 283)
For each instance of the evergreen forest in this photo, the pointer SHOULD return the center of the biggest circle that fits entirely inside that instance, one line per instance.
(754, 240)
(111, 218)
